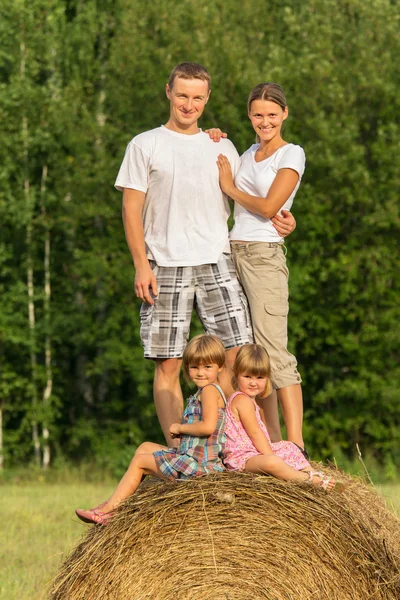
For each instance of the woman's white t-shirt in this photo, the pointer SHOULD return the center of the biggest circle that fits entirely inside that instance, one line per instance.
(256, 178)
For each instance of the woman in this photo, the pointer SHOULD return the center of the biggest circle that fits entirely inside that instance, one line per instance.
(266, 184)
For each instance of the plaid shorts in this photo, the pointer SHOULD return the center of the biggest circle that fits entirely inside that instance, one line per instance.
(212, 290)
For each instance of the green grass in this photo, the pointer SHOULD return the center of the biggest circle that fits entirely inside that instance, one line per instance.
(38, 529)
(391, 493)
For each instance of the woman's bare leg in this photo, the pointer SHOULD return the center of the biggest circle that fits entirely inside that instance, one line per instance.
(270, 415)
(143, 463)
(291, 403)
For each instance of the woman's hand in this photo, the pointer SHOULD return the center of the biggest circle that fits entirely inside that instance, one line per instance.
(285, 223)
(174, 430)
(225, 174)
(216, 134)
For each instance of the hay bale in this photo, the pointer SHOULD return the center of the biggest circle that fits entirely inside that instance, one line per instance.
(237, 536)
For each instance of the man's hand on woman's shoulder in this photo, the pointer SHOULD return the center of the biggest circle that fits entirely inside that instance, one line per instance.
(215, 134)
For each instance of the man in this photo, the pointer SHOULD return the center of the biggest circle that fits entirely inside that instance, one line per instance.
(175, 219)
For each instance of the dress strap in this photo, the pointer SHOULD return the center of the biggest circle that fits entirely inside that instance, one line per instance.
(218, 388)
(238, 393)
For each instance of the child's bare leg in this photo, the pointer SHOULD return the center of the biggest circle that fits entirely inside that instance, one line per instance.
(143, 463)
(272, 464)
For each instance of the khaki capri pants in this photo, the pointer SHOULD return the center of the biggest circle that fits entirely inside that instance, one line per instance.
(262, 271)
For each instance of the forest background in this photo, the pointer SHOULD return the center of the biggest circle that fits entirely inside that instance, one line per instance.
(78, 79)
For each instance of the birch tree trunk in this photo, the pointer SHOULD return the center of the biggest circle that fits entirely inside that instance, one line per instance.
(29, 273)
(100, 154)
(47, 344)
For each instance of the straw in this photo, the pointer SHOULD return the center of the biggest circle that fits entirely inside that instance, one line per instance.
(236, 536)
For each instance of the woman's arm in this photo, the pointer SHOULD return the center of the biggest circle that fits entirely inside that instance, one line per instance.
(247, 415)
(209, 417)
(280, 190)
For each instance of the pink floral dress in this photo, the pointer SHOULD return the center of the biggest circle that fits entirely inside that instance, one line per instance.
(239, 447)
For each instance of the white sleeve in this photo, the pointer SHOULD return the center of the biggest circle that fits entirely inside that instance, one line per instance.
(235, 165)
(134, 170)
(293, 158)
(233, 156)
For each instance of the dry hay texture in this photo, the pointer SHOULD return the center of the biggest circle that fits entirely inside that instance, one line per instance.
(235, 536)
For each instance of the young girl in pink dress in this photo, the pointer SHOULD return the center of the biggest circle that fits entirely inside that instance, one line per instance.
(248, 446)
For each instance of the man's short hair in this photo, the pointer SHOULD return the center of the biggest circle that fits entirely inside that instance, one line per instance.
(189, 70)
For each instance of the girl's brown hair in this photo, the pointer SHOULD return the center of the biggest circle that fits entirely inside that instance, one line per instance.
(203, 349)
(253, 359)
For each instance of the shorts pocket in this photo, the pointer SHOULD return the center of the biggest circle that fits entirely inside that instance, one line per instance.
(277, 309)
(146, 312)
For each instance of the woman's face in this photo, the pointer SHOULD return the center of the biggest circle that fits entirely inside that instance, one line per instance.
(267, 118)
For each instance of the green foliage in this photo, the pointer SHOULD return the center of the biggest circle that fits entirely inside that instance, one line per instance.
(77, 81)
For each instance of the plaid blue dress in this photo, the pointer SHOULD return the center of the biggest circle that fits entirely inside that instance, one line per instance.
(195, 456)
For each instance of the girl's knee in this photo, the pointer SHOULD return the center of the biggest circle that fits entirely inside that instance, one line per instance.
(145, 448)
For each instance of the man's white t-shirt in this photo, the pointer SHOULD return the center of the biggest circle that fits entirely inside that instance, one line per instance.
(256, 178)
(185, 212)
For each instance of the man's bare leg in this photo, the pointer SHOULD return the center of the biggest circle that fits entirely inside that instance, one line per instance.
(270, 415)
(225, 377)
(168, 397)
(291, 402)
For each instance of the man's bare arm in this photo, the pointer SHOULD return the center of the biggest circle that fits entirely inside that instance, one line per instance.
(132, 207)
(284, 223)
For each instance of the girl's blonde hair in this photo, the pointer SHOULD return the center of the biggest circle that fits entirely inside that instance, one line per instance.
(253, 359)
(203, 349)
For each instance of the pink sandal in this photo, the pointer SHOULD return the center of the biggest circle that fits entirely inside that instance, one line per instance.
(93, 516)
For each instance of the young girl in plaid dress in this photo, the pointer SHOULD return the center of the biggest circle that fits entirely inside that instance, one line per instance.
(248, 445)
(201, 431)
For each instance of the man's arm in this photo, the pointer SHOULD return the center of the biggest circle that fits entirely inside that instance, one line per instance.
(132, 207)
(284, 223)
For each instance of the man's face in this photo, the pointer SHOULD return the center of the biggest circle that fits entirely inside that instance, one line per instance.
(188, 98)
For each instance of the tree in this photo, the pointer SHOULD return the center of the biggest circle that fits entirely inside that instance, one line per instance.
(77, 81)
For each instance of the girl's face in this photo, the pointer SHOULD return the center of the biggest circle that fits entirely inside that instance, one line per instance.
(203, 374)
(267, 118)
(252, 385)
